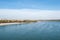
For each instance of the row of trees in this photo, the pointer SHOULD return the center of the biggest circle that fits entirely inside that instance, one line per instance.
(11, 21)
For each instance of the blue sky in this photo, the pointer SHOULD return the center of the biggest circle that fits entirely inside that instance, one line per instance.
(32, 8)
(30, 4)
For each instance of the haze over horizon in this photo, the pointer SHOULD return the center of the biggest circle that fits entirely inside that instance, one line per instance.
(30, 9)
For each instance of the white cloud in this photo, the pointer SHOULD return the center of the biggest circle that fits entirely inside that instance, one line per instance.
(29, 14)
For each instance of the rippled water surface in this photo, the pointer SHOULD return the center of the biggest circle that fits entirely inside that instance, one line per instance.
(31, 31)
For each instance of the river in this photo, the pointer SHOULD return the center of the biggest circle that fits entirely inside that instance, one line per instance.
(48, 30)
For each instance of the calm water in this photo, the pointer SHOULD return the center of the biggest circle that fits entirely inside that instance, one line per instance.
(31, 31)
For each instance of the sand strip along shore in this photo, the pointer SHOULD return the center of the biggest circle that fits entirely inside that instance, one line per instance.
(1, 24)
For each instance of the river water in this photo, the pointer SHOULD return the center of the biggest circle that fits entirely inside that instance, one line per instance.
(48, 30)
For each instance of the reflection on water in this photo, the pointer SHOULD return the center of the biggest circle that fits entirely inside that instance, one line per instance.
(31, 31)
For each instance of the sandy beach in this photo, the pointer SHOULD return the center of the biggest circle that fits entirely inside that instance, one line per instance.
(1, 24)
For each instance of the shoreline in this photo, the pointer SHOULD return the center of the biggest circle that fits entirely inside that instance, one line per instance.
(3, 24)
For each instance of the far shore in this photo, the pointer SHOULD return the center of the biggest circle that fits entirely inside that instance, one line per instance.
(10, 22)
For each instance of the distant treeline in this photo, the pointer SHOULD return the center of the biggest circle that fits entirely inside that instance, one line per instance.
(19, 21)
(11, 21)
(50, 20)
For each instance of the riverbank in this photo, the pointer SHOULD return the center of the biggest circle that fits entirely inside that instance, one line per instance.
(11, 22)
(2, 24)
